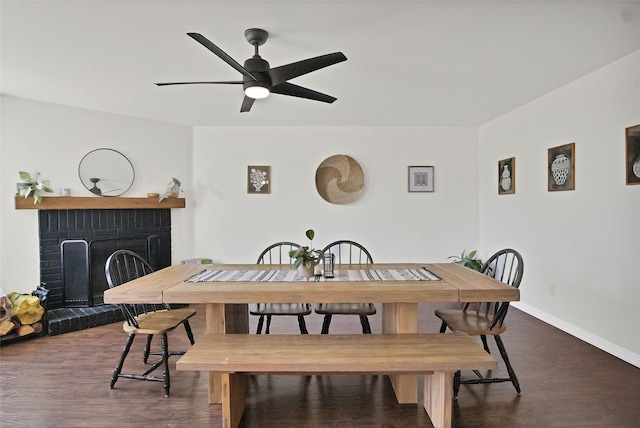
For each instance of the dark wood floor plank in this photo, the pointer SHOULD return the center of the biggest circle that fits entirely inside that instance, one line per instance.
(63, 381)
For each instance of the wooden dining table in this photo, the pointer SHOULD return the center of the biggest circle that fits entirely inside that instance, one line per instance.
(226, 302)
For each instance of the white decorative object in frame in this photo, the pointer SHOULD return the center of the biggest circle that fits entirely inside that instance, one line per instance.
(421, 179)
(258, 179)
(561, 168)
(507, 176)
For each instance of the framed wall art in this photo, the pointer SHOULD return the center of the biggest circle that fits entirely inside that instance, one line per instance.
(507, 176)
(421, 179)
(561, 171)
(258, 179)
(633, 154)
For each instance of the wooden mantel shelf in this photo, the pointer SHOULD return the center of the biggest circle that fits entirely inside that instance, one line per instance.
(96, 203)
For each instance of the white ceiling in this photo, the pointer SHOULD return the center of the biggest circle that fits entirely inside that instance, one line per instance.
(410, 63)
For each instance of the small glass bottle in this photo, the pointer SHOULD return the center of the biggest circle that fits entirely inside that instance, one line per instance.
(328, 265)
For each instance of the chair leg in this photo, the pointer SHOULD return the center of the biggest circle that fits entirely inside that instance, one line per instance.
(165, 360)
(505, 357)
(302, 324)
(260, 323)
(456, 384)
(364, 321)
(325, 324)
(485, 345)
(268, 324)
(443, 327)
(125, 351)
(187, 328)
(147, 348)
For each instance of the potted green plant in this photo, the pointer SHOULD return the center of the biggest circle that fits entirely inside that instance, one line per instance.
(33, 186)
(468, 260)
(306, 257)
(173, 189)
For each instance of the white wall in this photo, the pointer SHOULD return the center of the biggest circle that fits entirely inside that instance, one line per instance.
(392, 223)
(581, 248)
(52, 139)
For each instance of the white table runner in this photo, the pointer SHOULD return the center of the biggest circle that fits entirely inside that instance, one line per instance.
(246, 275)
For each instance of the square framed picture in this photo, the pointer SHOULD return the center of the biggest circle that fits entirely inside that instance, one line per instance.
(633, 154)
(421, 179)
(258, 179)
(561, 169)
(507, 176)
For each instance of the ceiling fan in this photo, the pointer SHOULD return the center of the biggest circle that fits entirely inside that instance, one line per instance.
(259, 80)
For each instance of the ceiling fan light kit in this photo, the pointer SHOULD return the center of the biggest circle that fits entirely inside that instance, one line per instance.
(256, 91)
(259, 79)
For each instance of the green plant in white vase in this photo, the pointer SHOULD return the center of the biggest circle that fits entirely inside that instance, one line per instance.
(306, 257)
(33, 186)
(173, 189)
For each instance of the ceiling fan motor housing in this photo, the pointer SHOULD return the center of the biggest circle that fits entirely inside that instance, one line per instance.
(259, 68)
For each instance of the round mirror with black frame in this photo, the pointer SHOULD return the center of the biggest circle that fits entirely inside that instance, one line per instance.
(106, 172)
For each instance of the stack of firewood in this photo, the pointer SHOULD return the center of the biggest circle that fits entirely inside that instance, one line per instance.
(20, 314)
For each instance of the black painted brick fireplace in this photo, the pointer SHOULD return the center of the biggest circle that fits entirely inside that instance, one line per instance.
(99, 231)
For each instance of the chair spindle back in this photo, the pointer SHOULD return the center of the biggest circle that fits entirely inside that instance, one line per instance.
(123, 266)
(278, 253)
(506, 266)
(348, 252)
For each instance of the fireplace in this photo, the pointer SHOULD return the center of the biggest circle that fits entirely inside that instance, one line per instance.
(74, 245)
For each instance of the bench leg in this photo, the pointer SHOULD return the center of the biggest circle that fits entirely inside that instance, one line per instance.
(233, 399)
(215, 388)
(437, 398)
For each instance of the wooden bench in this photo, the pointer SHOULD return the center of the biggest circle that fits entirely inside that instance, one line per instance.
(437, 356)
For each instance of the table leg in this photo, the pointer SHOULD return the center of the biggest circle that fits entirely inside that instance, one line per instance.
(438, 394)
(400, 318)
(226, 319)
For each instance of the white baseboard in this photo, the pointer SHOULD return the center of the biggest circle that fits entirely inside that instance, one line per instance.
(598, 342)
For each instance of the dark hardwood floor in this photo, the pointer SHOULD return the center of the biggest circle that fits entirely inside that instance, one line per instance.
(63, 381)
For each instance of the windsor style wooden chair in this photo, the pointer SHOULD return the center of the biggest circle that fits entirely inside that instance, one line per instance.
(347, 252)
(150, 319)
(487, 318)
(278, 253)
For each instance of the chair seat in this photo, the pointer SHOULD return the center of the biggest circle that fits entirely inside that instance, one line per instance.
(346, 309)
(281, 309)
(468, 322)
(159, 322)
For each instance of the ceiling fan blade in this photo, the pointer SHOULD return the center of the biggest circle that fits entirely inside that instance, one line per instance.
(216, 50)
(289, 71)
(229, 82)
(300, 92)
(246, 104)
